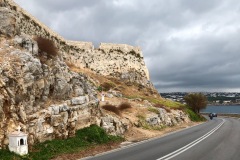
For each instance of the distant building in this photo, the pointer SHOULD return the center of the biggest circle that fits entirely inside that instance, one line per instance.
(226, 102)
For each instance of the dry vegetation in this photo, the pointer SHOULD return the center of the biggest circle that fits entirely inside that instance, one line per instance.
(47, 46)
(124, 105)
(117, 110)
(111, 108)
(106, 86)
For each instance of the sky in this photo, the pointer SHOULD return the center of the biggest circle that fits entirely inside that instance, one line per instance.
(188, 45)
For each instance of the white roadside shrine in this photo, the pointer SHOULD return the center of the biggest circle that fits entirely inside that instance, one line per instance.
(18, 142)
(102, 97)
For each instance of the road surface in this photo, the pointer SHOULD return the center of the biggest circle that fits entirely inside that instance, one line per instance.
(217, 139)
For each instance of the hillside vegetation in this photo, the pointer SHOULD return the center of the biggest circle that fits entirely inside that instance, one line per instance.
(83, 140)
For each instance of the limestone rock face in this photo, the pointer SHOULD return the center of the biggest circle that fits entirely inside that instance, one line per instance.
(163, 118)
(118, 60)
(27, 43)
(46, 99)
(8, 22)
(114, 125)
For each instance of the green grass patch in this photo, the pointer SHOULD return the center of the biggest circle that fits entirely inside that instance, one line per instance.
(194, 116)
(7, 155)
(165, 102)
(153, 109)
(84, 138)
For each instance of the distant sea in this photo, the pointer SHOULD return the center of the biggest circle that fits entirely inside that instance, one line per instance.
(222, 109)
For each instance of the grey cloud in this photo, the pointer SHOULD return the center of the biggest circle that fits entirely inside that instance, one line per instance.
(201, 6)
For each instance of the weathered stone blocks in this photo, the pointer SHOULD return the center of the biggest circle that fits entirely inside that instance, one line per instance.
(79, 100)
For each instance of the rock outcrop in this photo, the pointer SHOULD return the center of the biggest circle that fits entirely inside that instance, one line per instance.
(45, 98)
(7, 19)
(118, 60)
(163, 118)
(40, 93)
(114, 125)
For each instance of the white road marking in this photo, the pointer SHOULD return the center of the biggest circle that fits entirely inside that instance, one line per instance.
(137, 143)
(190, 145)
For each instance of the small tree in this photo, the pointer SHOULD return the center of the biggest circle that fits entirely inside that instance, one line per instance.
(196, 101)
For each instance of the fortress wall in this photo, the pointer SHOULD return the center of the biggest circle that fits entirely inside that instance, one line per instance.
(28, 24)
(108, 59)
(108, 47)
(80, 44)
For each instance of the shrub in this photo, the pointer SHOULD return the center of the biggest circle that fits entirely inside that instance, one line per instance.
(196, 101)
(124, 105)
(95, 134)
(46, 45)
(111, 108)
(106, 86)
(99, 88)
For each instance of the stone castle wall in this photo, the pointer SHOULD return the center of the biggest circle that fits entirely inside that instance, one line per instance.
(109, 59)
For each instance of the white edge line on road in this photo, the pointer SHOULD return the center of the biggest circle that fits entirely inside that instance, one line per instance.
(138, 143)
(190, 145)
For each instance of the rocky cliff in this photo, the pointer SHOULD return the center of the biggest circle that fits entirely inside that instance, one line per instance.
(45, 98)
(40, 93)
(118, 60)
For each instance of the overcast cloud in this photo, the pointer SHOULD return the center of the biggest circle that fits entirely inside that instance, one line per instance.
(188, 45)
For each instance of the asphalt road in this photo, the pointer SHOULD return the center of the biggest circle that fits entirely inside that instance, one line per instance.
(217, 139)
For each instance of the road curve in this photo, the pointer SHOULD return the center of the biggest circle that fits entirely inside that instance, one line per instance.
(216, 139)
